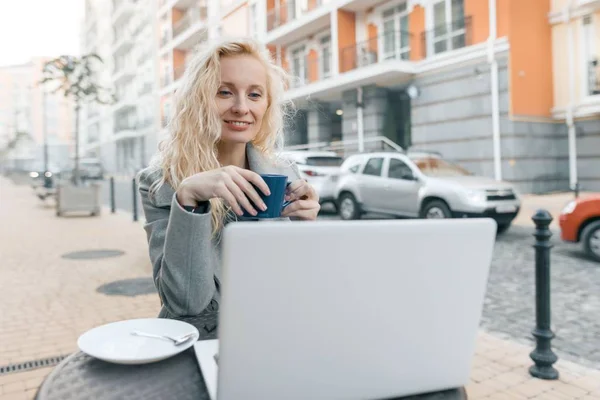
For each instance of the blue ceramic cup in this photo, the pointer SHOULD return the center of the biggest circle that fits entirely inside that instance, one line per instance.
(275, 202)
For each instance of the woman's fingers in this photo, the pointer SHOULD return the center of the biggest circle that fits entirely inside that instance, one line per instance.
(241, 197)
(300, 189)
(249, 190)
(300, 205)
(254, 178)
(224, 193)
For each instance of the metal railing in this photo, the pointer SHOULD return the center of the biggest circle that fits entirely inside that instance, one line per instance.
(192, 16)
(351, 146)
(309, 69)
(394, 45)
(446, 37)
(287, 10)
(594, 77)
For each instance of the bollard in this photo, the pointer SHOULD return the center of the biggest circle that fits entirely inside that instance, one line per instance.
(577, 188)
(543, 356)
(135, 210)
(112, 195)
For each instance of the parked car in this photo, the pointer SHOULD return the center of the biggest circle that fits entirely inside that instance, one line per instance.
(421, 185)
(580, 223)
(320, 169)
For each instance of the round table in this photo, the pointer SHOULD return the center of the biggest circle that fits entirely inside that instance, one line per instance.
(80, 376)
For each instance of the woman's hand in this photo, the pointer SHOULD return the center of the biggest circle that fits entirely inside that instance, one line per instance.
(232, 184)
(305, 201)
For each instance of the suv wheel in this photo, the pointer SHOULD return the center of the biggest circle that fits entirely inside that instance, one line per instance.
(503, 228)
(591, 240)
(348, 207)
(436, 209)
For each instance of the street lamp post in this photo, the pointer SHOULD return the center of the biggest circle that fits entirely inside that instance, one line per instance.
(45, 128)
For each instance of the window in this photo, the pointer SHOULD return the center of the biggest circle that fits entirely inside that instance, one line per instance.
(399, 170)
(299, 64)
(373, 167)
(253, 15)
(396, 44)
(448, 26)
(325, 43)
(590, 60)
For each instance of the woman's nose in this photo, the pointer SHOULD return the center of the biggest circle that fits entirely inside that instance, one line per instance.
(240, 106)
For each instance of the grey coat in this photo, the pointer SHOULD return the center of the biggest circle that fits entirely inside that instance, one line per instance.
(186, 259)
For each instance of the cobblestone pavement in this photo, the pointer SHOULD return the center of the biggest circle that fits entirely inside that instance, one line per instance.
(575, 295)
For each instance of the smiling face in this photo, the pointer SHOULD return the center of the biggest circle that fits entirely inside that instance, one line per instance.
(242, 98)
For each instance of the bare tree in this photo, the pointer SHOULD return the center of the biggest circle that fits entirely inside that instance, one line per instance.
(77, 78)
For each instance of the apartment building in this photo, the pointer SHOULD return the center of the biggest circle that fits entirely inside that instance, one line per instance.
(472, 79)
(45, 118)
(576, 104)
(123, 32)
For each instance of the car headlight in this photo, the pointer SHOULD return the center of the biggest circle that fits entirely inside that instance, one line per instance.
(476, 196)
(34, 174)
(570, 207)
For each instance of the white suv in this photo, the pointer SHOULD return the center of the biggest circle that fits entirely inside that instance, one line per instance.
(421, 185)
(320, 169)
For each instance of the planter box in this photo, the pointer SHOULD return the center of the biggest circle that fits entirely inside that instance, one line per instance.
(84, 198)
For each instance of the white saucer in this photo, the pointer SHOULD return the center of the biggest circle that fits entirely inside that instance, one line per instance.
(114, 342)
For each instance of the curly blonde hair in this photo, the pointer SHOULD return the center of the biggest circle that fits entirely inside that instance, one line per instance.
(195, 126)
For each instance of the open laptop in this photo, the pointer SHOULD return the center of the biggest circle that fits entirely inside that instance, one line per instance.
(348, 310)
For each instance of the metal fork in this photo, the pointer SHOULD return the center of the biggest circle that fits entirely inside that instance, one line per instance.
(176, 340)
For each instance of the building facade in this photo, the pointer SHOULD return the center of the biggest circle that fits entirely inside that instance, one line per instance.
(44, 118)
(488, 83)
(576, 103)
(480, 75)
(123, 33)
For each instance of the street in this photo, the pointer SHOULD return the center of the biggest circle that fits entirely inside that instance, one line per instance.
(509, 307)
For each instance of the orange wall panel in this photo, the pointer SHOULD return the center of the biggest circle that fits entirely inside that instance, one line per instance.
(178, 63)
(372, 36)
(531, 81)
(312, 4)
(478, 10)
(176, 15)
(346, 40)
(416, 27)
(502, 13)
(313, 65)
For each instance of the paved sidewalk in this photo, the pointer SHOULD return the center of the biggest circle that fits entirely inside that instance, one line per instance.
(48, 301)
(554, 203)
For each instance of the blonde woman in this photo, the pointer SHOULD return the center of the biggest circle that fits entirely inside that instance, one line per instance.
(226, 129)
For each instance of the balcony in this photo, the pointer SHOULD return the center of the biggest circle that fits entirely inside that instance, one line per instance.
(124, 72)
(447, 37)
(594, 77)
(165, 5)
(382, 60)
(188, 31)
(309, 69)
(122, 10)
(288, 23)
(122, 43)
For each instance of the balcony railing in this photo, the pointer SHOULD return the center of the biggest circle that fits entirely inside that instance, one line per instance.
(286, 11)
(191, 17)
(446, 37)
(308, 70)
(594, 77)
(393, 45)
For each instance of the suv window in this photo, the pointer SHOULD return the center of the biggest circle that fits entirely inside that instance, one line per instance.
(373, 167)
(399, 170)
(324, 161)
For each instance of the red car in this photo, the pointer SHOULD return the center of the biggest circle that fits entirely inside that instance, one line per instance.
(580, 222)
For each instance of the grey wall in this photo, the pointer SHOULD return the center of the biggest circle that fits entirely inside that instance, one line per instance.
(453, 115)
(588, 154)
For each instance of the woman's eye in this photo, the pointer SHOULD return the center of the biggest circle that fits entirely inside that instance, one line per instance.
(223, 92)
(255, 95)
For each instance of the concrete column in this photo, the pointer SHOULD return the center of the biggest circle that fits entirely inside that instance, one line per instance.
(375, 106)
(319, 123)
